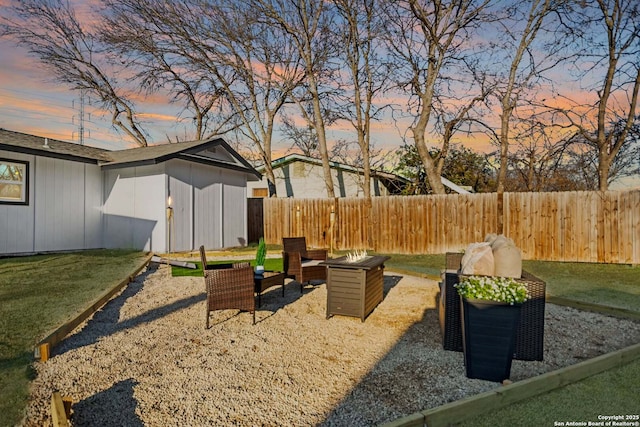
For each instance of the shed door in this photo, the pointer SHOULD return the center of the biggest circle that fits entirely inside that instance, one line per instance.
(207, 199)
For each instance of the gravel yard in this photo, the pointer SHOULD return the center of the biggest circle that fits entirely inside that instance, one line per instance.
(147, 359)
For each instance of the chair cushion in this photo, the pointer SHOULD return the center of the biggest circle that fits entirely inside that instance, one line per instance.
(310, 262)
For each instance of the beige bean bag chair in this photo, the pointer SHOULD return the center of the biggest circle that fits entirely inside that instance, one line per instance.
(478, 260)
(507, 257)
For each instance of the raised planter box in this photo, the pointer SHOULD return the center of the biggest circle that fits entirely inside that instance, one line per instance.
(530, 335)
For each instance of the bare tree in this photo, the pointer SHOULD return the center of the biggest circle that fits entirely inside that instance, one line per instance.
(525, 66)
(456, 113)
(72, 53)
(539, 160)
(520, 59)
(584, 153)
(146, 37)
(360, 35)
(425, 39)
(307, 23)
(303, 138)
(609, 68)
(256, 67)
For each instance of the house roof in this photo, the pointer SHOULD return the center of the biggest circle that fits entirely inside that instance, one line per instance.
(48, 147)
(194, 151)
(290, 158)
(394, 183)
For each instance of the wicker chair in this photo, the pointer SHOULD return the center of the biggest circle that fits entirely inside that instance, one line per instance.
(300, 263)
(229, 286)
(530, 335)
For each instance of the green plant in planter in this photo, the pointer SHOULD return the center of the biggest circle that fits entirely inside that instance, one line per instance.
(500, 289)
(261, 253)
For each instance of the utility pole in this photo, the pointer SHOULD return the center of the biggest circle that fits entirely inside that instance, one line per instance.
(80, 118)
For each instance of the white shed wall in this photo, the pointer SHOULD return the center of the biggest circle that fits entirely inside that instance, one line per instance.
(234, 212)
(135, 208)
(207, 207)
(180, 189)
(64, 210)
(210, 206)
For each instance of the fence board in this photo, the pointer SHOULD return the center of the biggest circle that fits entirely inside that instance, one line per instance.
(634, 202)
(562, 226)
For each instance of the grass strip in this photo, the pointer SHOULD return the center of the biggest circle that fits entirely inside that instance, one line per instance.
(274, 264)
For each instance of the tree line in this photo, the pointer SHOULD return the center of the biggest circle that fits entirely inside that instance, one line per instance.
(551, 84)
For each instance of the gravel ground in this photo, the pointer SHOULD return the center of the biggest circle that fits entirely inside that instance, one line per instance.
(147, 359)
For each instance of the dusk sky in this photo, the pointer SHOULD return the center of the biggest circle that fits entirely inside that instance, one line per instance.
(32, 103)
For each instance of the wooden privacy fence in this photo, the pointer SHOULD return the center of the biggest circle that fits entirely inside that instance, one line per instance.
(562, 226)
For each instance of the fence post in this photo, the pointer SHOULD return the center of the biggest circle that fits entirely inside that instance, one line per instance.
(332, 220)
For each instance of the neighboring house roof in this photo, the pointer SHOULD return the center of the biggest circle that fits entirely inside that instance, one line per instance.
(194, 151)
(455, 187)
(393, 182)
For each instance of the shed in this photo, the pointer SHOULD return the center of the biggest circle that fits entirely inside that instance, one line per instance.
(56, 195)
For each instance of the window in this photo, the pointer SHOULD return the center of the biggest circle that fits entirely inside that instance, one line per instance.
(14, 182)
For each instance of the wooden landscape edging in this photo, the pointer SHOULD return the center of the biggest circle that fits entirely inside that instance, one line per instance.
(461, 410)
(60, 410)
(43, 348)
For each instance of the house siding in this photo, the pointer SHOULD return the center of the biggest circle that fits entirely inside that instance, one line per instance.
(63, 209)
(181, 191)
(17, 222)
(80, 198)
(306, 181)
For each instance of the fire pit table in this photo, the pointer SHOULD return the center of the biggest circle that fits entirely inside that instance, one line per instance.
(354, 288)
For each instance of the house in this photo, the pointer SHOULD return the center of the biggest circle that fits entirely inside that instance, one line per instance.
(56, 195)
(301, 176)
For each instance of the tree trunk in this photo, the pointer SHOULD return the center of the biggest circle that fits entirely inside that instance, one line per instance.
(427, 161)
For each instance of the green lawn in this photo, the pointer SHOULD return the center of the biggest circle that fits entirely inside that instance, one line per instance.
(40, 293)
(607, 284)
